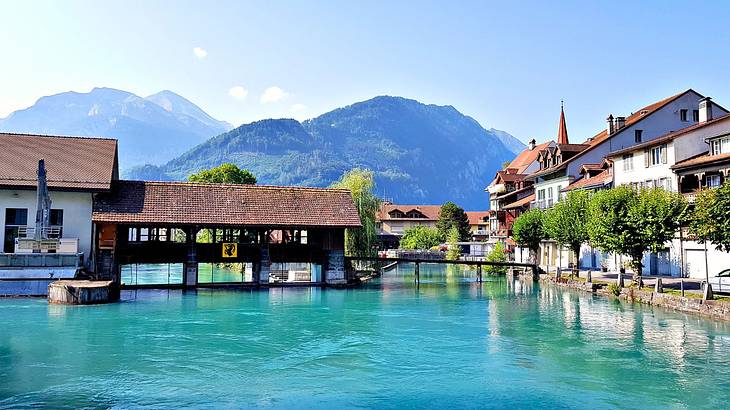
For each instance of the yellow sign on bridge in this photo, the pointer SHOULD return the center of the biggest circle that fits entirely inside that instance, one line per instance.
(230, 250)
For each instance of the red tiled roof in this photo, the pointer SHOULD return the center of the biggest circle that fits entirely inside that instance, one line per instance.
(525, 158)
(603, 178)
(71, 162)
(431, 212)
(186, 203)
(670, 136)
(520, 202)
(637, 116)
(603, 135)
(477, 217)
(705, 159)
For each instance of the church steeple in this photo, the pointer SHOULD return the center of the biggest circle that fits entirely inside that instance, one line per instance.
(562, 128)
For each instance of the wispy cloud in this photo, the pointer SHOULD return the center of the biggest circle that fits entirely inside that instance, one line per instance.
(238, 92)
(200, 52)
(273, 94)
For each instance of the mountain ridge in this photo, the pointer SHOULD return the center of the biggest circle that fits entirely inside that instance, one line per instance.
(409, 145)
(146, 131)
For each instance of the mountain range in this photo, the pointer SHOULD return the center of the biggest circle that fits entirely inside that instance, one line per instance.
(153, 129)
(420, 153)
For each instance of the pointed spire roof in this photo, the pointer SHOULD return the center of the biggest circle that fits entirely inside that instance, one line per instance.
(562, 128)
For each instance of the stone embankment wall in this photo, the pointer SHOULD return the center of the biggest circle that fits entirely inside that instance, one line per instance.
(713, 309)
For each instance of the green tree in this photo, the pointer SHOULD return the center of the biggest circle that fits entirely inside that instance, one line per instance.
(565, 223)
(711, 216)
(361, 183)
(454, 252)
(224, 174)
(420, 237)
(497, 255)
(528, 231)
(451, 215)
(629, 222)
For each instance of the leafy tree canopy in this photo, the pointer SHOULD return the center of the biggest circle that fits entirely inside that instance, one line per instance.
(497, 255)
(711, 216)
(528, 231)
(628, 222)
(224, 174)
(453, 237)
(361, 183)
(566, 221)
(451, 215)
(420, 237)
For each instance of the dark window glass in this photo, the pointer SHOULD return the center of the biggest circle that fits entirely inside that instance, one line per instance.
(696, 115)
(637, 135)
(56, 217)
(16, 216)
(683, 115)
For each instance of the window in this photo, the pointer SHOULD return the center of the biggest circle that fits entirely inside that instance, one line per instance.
(56, 218)
(541, 195)
(637, 135)
(713, 181)
(663, 183)
(628, 160)
(683, 115)
(720, 145)
(16, 216)
(696, 115)
(14, 219)
(656, 156)
(550, 193)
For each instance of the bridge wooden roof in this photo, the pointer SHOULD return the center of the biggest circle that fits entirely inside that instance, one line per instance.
(185, 203)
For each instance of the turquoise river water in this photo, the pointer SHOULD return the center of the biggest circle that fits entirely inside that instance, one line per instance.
(449, 343)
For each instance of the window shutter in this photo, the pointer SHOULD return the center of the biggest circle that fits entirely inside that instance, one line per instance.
(664, 154)
(646, 158)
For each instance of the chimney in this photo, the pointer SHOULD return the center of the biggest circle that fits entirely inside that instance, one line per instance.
(609, 122)
(619, 123)
(532, 144)
(705, 109)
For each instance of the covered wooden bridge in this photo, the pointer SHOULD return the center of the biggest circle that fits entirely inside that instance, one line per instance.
(273, 235)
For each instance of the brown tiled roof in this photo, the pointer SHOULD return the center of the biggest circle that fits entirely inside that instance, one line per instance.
(71, 162)
(520, 202)
(477, 217)
(705, 159)
(186, 203)
(670, 136)
(603, 135)
(431, 212)
(523, 160)
(601, 179)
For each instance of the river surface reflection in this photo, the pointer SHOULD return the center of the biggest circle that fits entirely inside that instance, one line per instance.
(450, 342)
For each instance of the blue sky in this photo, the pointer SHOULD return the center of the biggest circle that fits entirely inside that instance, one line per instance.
(506, 65)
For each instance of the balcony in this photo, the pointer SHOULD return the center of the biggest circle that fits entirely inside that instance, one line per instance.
(542, 203)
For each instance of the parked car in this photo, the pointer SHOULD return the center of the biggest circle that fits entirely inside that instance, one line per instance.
(721, 282)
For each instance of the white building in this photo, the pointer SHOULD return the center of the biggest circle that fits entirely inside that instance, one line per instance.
(559, 168)
(77, 168)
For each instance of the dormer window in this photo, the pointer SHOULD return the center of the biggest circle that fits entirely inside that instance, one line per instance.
(696, 115)
(396, 214)
(415, 214)
(720, 145)
(683, 115)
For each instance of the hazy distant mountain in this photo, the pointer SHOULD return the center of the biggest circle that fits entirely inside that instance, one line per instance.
(509, 141)
(420, 153)
(151, 130)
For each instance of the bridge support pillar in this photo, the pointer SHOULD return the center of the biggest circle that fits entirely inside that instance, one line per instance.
(417, 277)
(479, 273)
